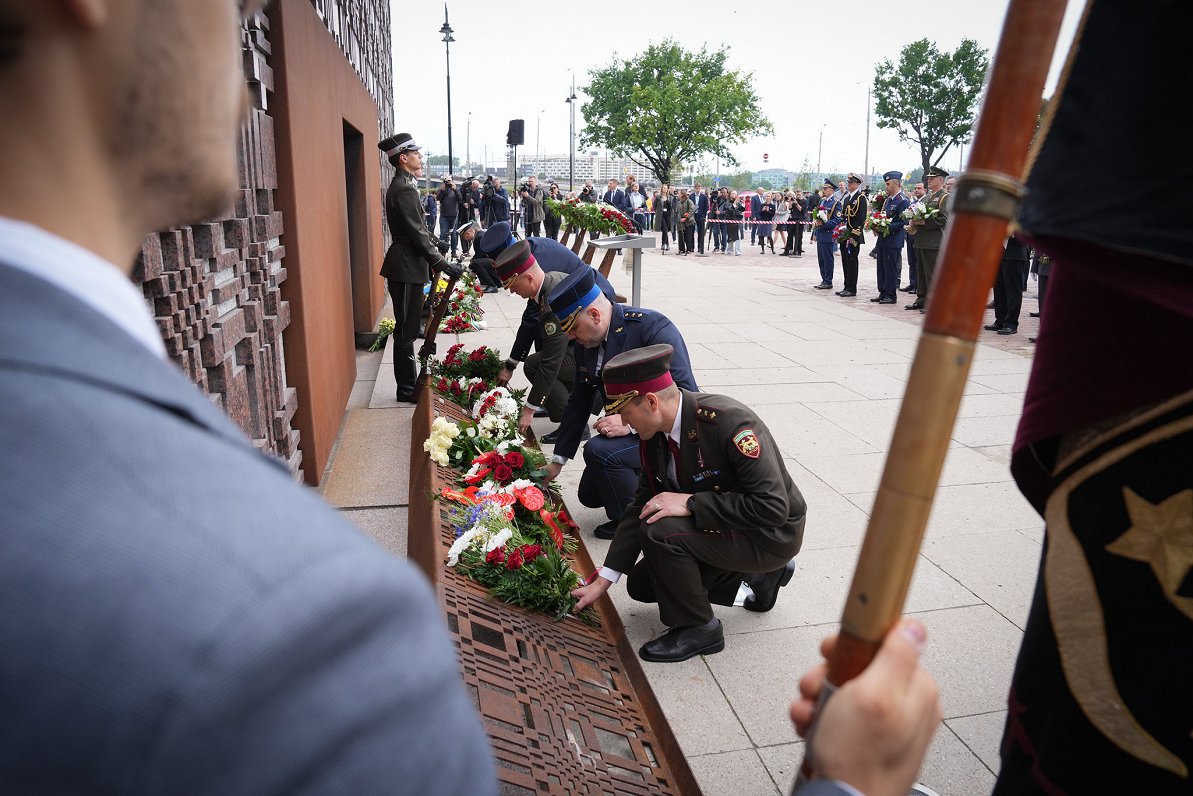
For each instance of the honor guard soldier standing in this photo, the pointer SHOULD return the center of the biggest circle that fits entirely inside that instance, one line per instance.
(715, 506)
(822, 232)
(928, 236)
(890, 246)
(413, 256)
(551, 370)
(603, 329)
(853, 211)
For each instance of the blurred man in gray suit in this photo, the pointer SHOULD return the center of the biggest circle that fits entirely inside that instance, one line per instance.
(178, 615)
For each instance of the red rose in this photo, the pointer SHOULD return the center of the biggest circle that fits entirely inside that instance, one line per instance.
(514, 559)
(503, 473)
(442, 385)
(496, 556)
(514, 459)
(531, 551)
(477, 355)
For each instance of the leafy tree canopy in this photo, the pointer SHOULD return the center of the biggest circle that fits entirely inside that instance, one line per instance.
(931, 97)
(668, 106)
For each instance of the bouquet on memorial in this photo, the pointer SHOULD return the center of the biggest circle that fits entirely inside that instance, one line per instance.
(460, 390)
(441, 441)
(384, 330)
(590, 216)
(464, 313)
(479, 366)
(880, 223)
(496, 413)
(842, 237)
(514, 468)
(521, 562)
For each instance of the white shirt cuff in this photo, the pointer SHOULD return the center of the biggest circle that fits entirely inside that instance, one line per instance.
(612, 575)
(532, 406)
(557, 459)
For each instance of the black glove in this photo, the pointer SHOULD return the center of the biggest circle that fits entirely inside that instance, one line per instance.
(442, 247)
(450, 269)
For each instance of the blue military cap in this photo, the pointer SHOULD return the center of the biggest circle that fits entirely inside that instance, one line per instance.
(893, 175)
(497, 238)
(572, 295)
(829, 184)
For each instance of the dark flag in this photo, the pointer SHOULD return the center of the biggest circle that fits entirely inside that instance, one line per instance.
(1102, 698)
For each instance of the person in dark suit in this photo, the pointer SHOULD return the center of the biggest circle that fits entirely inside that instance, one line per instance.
(756, 202)
(826, 218)
(798, 207)
(663, 211)
(700, 199)
(602, 329)
(615, 196)
(917, 193)
(180, 616)
(853, 212)
(715, 505)
(890, 246)
(413, 256)
(1008, 291)
(929, 234)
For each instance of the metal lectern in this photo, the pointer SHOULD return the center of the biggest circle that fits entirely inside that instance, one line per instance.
(637, 243)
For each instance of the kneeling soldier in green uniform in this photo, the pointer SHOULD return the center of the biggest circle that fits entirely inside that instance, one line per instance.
(715, 506)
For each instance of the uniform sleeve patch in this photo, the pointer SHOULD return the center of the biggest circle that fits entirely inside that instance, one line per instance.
(550, 328)
(747, 443)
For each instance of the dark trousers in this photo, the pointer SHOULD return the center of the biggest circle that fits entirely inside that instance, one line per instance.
(699, 235)
(534, 229)
(687, 239)
(557, 397)
(925, 266)
(665, 228)
(1042, 291)
(718, 235)
(824, 253)
(911, 263)
(447, 226)
(890, 262)
(551, 223)
(407, 301)
(685, 568)
(1008, 294)
(753, 232)
(611, 469)
(849, 266)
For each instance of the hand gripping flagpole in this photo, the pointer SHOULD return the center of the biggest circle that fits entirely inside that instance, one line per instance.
(985, 201)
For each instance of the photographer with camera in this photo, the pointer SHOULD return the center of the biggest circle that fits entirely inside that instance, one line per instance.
(414, 255)
(495, 201)
(533, 197)
(550, 220)
(449, 210)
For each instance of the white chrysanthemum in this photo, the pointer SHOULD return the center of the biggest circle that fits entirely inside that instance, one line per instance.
(460, 545)
(498, 539)
(520, 483)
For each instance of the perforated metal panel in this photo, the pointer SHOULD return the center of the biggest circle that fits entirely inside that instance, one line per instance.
(567, 707)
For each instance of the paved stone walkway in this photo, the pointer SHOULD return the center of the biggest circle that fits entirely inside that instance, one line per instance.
(826, 375)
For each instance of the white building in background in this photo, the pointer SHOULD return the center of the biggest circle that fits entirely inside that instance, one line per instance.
(591, 166)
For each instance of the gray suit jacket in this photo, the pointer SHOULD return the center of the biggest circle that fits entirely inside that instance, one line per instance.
(176, 614)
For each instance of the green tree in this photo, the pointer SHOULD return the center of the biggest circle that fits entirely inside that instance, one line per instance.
(931, 97)
(669, 106)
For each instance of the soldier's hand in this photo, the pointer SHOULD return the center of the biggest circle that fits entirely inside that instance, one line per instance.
(553, 470)
(665, 504)
(611, 426)
(504, 376)
(589, 594)
(443, 247)
(525, 418)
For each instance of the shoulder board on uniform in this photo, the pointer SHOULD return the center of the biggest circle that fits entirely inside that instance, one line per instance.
(637, 316)
(707, 413)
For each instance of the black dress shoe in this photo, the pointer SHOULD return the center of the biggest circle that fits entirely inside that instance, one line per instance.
(680, 643)
(549, 439)
(766, 590)
(406, 397)
(908, 289)
(1034, 314)
(606, 530)
(1008, 330)
(492, 289)
(876, 299)
(915, 305)
(887, 300)
(825, 286)
(992, 327)
(846, 294)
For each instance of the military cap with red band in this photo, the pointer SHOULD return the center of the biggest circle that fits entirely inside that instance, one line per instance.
(513, 262)
(636, 372)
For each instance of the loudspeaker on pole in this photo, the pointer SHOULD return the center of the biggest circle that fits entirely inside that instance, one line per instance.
(517, 133)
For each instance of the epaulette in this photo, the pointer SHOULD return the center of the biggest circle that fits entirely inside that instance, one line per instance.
(706, 413)
(634, 315)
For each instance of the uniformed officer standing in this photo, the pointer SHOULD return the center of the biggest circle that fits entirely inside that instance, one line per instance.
(928, 236)
(413, 256)
(890, 246)
(603, 329)
(854, 209)
(715, 505)
(551, 370)
(822, 232)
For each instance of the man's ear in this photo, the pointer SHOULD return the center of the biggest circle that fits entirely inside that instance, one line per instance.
(91, 14)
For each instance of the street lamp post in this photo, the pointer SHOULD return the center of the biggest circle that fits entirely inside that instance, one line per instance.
(538, 152)
(819, 150)
(571, 101)
(867, 174)
(468, 145)
(447, 31)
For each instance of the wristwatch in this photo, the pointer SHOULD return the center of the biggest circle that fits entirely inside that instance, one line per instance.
(691, 504)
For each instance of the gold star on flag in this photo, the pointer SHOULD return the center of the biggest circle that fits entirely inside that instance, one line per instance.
(1161, 536)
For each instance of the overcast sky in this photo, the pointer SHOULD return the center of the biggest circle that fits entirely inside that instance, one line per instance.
(516, 59)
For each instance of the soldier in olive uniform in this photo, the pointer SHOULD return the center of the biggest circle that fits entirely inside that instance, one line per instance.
(715, 506)
(928, 236)
(551, 369)
(411, 258)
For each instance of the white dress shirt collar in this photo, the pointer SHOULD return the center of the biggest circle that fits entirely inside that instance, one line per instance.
(96, 282)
